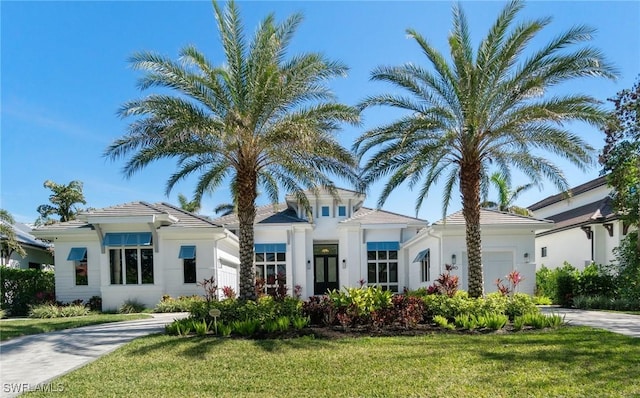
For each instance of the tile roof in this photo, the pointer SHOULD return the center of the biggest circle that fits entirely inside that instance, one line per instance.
(365, 215)
(494, 217)
(593, 213)
(279, 213)
(587, 186)
(184, 218)
(24, 236)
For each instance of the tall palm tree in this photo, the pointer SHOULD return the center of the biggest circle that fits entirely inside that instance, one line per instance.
(64, 199)
(482, 109)
(506, 196)
(261, 119)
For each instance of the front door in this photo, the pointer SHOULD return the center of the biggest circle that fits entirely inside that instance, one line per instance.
(325, 264)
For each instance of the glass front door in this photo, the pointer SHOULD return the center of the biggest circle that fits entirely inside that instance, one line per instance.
(325, 263)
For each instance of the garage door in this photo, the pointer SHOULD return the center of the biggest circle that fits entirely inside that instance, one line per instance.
(495, 265)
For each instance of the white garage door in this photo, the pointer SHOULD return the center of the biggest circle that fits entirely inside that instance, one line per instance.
(496, 265)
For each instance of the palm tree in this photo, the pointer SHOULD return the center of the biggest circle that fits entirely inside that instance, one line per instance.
(186, 205)
(261, 119)
(491, 108)
(8, 242)
(506, 196)
(63, 202)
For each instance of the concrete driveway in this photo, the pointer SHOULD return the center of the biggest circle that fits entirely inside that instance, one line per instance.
(616, 322)
(31, 362)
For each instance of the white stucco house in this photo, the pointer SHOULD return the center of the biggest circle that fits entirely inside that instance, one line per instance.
(39, 254)
(343, 243)
(139, 251)
(586, 228)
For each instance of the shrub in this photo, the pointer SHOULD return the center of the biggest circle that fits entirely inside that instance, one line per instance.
(537, 321)
(95, 303)
(3, 314)
(245, 328)
(44, 311)
(300, 322)
(131, 306)
(228, 293)
(542, 300)
(628, 267)
(443, 322)
(73, 310)
(520, 304)
(595, 280)
(224, 329)
(200, 327)
(181, 304)
(446, 284)
(493, 321)
(567, 283)
(466, 321)
(449, 307)
(22, 288)
(546, 283)
(319, 310)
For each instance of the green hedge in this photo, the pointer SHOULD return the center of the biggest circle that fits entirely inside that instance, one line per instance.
(22, 288)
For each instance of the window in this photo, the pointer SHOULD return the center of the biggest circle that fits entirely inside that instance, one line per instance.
(424, 258)
(342, 211)
(135, 264)
(79, 257)
(543, 252)
(270, 264)
(325, 211)
(188, 256)
(382, 264)
(37, 266)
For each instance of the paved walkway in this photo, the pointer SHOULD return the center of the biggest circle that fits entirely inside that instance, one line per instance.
(616, 322)
(31, 362)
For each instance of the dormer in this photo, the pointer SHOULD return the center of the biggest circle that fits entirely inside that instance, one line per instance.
(325, 205)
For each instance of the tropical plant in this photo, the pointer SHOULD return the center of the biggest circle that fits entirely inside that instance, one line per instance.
(259, 120)
(506, 196)
(64, 199)
(493, 108)
(621, 155)
(192, 206)
(8, 241)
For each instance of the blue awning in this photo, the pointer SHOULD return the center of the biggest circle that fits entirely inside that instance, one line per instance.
(421, 256)
(77, 254)
(127, 239)
(270, 247)
(373, 246)
(188, 252)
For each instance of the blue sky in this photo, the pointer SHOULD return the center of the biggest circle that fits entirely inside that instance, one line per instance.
(64, 74)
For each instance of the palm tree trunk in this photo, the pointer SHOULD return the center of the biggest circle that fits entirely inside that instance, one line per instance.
(247, 194)
(470, 188)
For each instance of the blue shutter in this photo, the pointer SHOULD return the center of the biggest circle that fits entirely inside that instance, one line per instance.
(374, 246)
(187, 252)
(77, 254)
(270, 247)
(421, 256)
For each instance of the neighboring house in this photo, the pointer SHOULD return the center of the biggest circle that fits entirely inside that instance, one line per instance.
(586, 229)
(39, 253)
(342, 243)
(139, 251)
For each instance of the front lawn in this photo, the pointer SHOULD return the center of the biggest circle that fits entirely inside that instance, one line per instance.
(568, 362)
(15, 328)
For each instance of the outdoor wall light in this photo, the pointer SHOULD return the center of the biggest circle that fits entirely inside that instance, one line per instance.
(453, 259)
(526, 257)
(308, 264)
(344, 263)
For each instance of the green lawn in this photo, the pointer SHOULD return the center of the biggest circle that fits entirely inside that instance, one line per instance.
(14, 328)
(569, 362)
